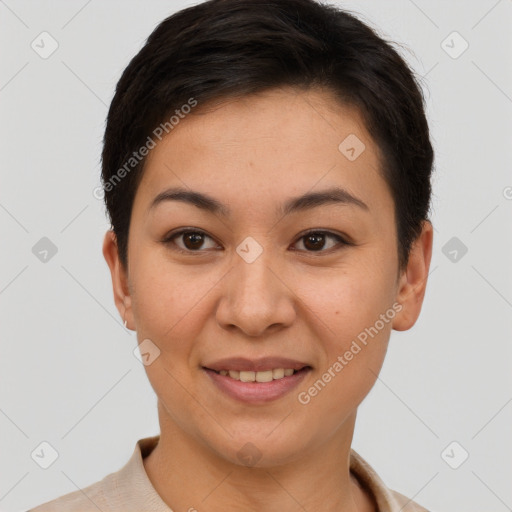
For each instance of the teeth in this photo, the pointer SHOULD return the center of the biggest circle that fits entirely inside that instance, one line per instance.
(264, 376)
(278, 373)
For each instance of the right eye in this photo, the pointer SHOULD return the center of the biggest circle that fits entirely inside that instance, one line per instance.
(191, 240)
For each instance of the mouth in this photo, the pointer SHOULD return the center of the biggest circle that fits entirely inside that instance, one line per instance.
(256, 381)
(259, 376)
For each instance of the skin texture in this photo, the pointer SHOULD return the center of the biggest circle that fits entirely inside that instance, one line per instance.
(252, 154)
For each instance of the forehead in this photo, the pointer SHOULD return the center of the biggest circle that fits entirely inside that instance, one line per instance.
(261, 148)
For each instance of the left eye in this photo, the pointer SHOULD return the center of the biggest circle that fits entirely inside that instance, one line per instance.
(315, 241)
(193, 241)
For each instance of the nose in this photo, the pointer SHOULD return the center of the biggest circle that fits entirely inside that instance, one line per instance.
(255, 299)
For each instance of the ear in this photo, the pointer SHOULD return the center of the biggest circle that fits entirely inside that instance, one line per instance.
(413, 280)
(122, 296)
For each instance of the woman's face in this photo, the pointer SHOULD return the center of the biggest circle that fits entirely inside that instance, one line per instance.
(245, 280)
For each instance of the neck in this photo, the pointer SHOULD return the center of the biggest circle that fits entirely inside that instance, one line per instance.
(191, 476)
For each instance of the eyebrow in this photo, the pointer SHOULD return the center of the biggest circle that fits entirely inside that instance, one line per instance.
(334, 195)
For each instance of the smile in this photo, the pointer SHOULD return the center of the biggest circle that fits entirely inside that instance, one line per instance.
(256, 387)
(261, 376)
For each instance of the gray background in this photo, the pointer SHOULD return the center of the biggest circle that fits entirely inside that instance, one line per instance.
(68, 373)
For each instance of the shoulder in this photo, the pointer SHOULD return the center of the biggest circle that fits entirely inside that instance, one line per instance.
(127, 489)
(406, 504)
(101, 495)
(386, 499)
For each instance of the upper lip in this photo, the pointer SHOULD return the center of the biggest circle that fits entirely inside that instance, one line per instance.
(255, 365)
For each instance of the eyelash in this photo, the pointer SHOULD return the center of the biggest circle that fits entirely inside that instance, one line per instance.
(169, 240)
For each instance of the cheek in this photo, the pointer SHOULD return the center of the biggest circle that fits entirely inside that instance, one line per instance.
(169, 304)
(354, 346)
(355, 312)
(170, 309)
(347, 301)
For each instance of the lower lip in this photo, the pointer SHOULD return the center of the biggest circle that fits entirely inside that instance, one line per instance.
(256, 392)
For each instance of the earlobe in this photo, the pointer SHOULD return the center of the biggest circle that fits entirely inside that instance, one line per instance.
(413, 281)
(122, 297)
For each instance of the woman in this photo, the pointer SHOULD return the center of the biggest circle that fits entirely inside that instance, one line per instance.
(266, 169)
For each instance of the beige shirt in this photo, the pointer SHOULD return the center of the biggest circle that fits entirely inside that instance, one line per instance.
(130, 490)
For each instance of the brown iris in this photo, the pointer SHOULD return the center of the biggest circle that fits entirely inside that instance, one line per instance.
(193, 240)
(318, 241)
